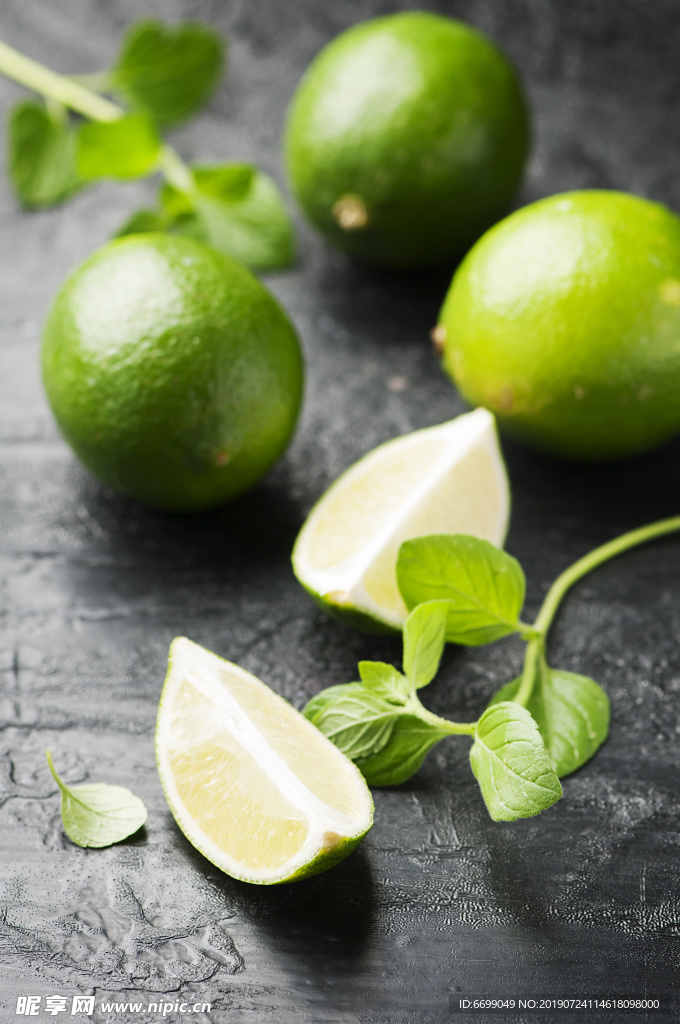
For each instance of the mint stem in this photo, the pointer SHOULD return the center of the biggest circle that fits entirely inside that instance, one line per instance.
(48, 755)
(443, 724)
(567, 579)
(68, 91)
(57, 87)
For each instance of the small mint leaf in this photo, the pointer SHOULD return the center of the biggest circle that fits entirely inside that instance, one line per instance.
(511, 764)
(97, 814)
(424, 640)
(41, 156)
(571, 712)
(384, 680)
(401, 757)
(169, 72)
(225, 181)
(483, 585)
(141, 222)
(126, 148)
(254, 228)
(356, 719)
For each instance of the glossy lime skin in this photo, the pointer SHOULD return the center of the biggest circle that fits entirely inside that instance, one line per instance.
(564, 321)
(172, 372)
(420, 117)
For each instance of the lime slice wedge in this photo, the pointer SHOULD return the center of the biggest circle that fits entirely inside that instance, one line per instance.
(252, 784)
(446, 479)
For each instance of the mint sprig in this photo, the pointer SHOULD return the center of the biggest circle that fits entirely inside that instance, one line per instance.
(535, 729)
(163, 75)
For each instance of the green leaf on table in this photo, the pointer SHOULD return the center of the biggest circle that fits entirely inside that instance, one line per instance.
(483, 585)
(41, 155)
(168, 71)
(127, 148)
(424, 640)
(384, 680)
(571, 712)
(98, 814)
(410, 740)
(511, 764)
(238, 210)
(356, 719)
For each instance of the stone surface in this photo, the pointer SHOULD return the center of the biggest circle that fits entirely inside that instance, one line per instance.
(438, 899)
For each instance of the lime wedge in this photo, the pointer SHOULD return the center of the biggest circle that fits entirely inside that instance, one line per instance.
(446, 479)
(252, 784)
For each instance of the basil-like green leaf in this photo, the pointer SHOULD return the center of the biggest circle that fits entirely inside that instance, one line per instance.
(384, 680)
(424, 640)
(483, 585)
(512, 765)
(97, 814)
(401, 757)
(357, 720)
(169, 72)
(41, 156)
(127, 148)
(256, 229)
(571, 712)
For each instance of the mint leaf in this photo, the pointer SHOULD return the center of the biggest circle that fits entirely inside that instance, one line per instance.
(97, 814)
(246, 221)
(410, 740)
(512, 765)
(141, 222)
(225, 181)
(424, 639)
(41, 156)
(384, 680)
(357, 720)
(571, 712)
(127, 148)
(169, 72)
(483, 585)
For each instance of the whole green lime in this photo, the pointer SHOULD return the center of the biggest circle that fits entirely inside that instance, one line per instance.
(406, 139)
(173, 374)
(564, 321)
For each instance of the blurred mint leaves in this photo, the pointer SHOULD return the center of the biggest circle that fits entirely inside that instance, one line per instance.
(163, 75)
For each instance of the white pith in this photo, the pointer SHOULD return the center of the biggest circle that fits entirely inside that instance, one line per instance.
(327, 826)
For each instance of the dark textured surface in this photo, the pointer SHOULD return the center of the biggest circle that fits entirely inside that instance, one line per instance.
(579, 901)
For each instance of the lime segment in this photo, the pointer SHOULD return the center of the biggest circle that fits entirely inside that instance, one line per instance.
(251, 783)
(444, 479)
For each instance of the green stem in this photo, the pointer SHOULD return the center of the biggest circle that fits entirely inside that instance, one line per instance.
(100, 82)
(535, 649)
(571, 576)
(443, 724)
(176, 171)
(595, 558)
(57, 87)
(72, 92)
(48, 755)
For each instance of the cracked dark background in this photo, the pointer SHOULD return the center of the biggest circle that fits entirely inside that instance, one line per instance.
(581, 901)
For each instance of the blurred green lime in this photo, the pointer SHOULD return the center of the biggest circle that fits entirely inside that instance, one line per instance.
(406, 139)
(172, 372)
